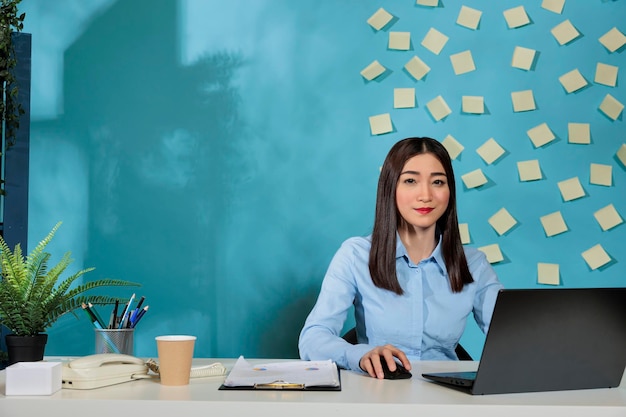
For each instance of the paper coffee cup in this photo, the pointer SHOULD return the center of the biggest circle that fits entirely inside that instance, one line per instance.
(175, 355)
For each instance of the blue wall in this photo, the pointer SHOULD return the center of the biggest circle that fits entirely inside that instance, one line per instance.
(220, 152)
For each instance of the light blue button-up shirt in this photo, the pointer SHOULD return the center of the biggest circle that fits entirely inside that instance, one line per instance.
(426, 322)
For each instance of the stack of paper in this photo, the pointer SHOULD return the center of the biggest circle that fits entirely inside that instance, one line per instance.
(283, 375)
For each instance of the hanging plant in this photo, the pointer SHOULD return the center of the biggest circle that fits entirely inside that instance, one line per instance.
(10, 109)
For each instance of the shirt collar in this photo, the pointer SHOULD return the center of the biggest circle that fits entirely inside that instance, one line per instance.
(436, 256)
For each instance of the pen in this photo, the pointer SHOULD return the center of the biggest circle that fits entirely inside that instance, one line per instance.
(138, 317)
(96, 315)
(124, 318)
(114, 315)
(92, 316)
(136, 310)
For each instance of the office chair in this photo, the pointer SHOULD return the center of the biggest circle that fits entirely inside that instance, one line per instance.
(463, 355)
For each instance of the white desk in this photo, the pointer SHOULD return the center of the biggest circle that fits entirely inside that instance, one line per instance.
(359, 396)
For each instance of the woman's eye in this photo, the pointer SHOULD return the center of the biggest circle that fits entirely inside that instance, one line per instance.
(439, 182)
(409, 181)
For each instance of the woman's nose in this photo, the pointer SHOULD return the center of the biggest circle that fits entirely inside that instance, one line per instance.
(424, 194)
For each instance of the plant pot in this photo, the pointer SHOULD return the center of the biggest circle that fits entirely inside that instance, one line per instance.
(26, 348)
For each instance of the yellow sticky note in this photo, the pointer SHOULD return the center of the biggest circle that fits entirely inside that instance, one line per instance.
(523, 58)
(380, 124)
(464, 232)
(564, 32)
(596, 257)
(403, 98)
(462, 62)
(400, 41)
(607, 217)
(572, 81)
(516, 17)
(417, 68)
(379, 19)
(492, 252)
(474, 178)
(613, 40)
(600, 174)
(611, 107)
(438, 108)
(621, 154)
(490, 151)
(571, 189)
(606, 74)
(434, 41)
(553, 223)
(429, 3)
(579, 133)
(555, 6)
(529, 170)
(523, 100)
(473, 104)
(502, 221)
(453, 146)
(540, 135)
(548, 273)
(373, 70)
(468, 17)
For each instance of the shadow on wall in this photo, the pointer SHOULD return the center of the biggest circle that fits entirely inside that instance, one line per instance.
(158, 138)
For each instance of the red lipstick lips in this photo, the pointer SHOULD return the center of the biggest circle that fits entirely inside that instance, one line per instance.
(424, 210)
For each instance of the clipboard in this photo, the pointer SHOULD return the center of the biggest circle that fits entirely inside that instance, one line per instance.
(287, 376)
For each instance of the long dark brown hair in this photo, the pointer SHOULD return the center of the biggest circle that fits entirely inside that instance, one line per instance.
(382, 260)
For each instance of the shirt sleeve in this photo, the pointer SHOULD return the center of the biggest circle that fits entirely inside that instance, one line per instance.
(487, 288)
(320, 337)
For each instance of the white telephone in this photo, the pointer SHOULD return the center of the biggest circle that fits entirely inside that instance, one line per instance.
(103, 369)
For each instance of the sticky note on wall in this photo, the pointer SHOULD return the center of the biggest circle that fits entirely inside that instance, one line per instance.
(529, 170)
(453, 146)
(565, 32)
(553, 224)
(492, 252)
(417, 68)
(490, 151)
(548, 273)
(434, 41)
(380, 124)
(579, 133)
(611, 107)
(608, 217)
(468, 17)
(601, 174)
(516, 17)
(596, 257)
(438, 108)
(474, 179)
(379, 19)
(373, 70)
(502, 221)
(571, 189)
(613, 40)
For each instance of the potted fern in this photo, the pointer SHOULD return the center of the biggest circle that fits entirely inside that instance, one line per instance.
(33, 296)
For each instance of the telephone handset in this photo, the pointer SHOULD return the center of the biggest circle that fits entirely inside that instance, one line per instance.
(103, 369)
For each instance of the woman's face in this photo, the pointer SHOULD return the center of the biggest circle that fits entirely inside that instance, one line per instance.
(422, 193)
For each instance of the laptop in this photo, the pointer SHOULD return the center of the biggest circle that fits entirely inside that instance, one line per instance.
(549, 340)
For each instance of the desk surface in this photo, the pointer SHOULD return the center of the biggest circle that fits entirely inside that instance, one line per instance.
(360, 395)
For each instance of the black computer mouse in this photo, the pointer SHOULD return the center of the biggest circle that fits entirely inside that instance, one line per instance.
(400, 373)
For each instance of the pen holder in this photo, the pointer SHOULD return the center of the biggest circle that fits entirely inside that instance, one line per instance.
(114, 341)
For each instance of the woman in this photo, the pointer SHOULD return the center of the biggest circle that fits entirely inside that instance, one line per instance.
(412, 283)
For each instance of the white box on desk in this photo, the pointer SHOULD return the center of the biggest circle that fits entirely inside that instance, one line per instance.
(33, 378)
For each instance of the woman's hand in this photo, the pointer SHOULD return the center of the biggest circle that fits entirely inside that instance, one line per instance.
(370, 362)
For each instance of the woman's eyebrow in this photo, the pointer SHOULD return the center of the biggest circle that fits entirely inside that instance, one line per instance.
(432, 174)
